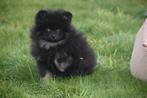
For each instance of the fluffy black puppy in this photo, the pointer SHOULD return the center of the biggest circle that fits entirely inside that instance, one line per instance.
(58, 48)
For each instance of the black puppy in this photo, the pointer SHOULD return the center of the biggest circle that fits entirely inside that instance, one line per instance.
(58, 48)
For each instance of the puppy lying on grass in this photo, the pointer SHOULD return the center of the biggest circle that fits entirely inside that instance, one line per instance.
(58, 48)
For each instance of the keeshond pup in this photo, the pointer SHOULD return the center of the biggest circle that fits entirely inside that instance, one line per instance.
(58, 48)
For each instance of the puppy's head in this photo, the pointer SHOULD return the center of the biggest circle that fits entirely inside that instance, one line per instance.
(52, 25)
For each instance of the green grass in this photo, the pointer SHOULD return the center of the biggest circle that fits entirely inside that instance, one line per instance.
(110, 27)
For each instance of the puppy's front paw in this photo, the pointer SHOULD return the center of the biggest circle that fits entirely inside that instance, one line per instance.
(47, 76)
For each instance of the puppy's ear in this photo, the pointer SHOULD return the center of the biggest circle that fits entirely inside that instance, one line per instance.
(41, 14)
(67, 16)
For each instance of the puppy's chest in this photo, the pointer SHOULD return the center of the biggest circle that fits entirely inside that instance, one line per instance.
(50, 54)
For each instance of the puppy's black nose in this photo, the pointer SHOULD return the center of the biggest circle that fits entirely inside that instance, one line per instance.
(53, 36)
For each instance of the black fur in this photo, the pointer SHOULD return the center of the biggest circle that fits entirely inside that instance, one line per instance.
(53, 26)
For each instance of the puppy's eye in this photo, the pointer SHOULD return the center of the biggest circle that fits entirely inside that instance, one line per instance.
(65, 17)
(48, 30)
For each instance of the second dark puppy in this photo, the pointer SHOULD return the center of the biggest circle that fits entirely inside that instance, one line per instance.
(58, 48)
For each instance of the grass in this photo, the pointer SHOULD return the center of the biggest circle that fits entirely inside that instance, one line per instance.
(110, 27)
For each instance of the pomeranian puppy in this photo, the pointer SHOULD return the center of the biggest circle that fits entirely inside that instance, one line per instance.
(58, 48)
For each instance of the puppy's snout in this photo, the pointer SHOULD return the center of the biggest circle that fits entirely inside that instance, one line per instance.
(53, 36)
